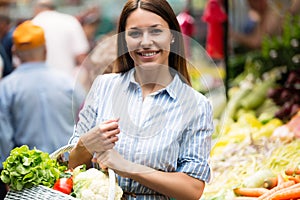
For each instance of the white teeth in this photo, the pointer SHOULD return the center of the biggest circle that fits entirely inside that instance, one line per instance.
(148, 54)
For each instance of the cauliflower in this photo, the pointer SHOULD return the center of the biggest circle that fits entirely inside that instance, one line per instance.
(93, 184)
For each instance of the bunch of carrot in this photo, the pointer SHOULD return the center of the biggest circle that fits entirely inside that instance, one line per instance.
(277, 188)
(293, 174)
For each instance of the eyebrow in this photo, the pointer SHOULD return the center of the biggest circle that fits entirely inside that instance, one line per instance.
(153, 26)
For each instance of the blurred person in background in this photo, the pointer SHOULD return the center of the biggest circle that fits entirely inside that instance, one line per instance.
(67, 44)
(266, 20)
(101, 59)
(1, 66)
(90, 22)
(294, 9)
(7, 29)
(38, 105)
(5, 46)
(5, 64)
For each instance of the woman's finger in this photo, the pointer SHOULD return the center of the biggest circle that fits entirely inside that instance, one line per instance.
(109, 134)
(111, 120)
(108, 126)
(110, 142)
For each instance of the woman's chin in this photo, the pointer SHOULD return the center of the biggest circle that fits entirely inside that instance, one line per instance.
(151, 66)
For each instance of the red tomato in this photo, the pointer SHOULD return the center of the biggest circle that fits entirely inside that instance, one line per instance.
(64, 185)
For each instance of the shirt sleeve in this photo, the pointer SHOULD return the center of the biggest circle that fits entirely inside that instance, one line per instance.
(196, 144)
(6, 129)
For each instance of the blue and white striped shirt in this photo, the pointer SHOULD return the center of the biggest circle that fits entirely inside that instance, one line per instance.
(169, 130)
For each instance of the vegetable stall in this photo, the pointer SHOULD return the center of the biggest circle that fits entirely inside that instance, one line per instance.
(256, 147)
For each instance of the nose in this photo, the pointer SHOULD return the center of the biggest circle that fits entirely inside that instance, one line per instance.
(146, 40)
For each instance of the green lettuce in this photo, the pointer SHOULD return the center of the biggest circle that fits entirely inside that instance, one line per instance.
(25, 168)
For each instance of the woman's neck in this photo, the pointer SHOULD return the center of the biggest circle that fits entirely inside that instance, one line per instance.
(152, 80)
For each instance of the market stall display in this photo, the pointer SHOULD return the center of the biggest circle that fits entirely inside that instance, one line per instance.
(257, 138)
(253, 143)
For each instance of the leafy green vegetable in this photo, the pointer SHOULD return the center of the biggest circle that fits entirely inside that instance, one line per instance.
(25, 168)
(258, 95)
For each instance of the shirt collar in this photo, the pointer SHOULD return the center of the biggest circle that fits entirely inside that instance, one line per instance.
(172, 89)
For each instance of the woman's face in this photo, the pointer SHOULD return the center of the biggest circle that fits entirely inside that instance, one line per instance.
(148, 38)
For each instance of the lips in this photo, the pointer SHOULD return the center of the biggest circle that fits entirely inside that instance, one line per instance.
(148, 53)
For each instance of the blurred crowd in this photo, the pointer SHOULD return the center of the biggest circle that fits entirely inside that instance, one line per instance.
(70, 39)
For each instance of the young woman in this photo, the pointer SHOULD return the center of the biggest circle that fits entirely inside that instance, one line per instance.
(146, 122)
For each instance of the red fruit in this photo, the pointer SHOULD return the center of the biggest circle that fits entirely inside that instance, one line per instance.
(64, 185)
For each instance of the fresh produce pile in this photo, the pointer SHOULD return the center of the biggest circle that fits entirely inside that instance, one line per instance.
(274, 187)
(268, 82)
(25, 168)
(251, 143)
(249, 164)
(257, 138)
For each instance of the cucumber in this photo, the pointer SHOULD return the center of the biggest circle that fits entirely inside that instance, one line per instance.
(257, 96)
(234, 102)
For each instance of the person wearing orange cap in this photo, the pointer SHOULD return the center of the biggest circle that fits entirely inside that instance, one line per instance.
(37, 104)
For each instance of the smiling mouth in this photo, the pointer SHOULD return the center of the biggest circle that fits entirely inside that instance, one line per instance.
(148, 54)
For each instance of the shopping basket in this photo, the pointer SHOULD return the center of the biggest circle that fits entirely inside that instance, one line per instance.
(41, 192)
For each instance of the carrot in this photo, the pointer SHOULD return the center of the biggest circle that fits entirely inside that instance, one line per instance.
(297, 185)
(289, 171)
(275, 189)
(295, 178)
(288, 193)
(250, 192)
(271, 182)
(245, 198)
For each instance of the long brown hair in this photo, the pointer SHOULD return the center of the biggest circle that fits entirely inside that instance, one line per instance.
(162, 8)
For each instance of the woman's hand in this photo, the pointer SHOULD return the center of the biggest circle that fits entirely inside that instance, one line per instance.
(113, 160)
(173, 184)
(102, 137)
